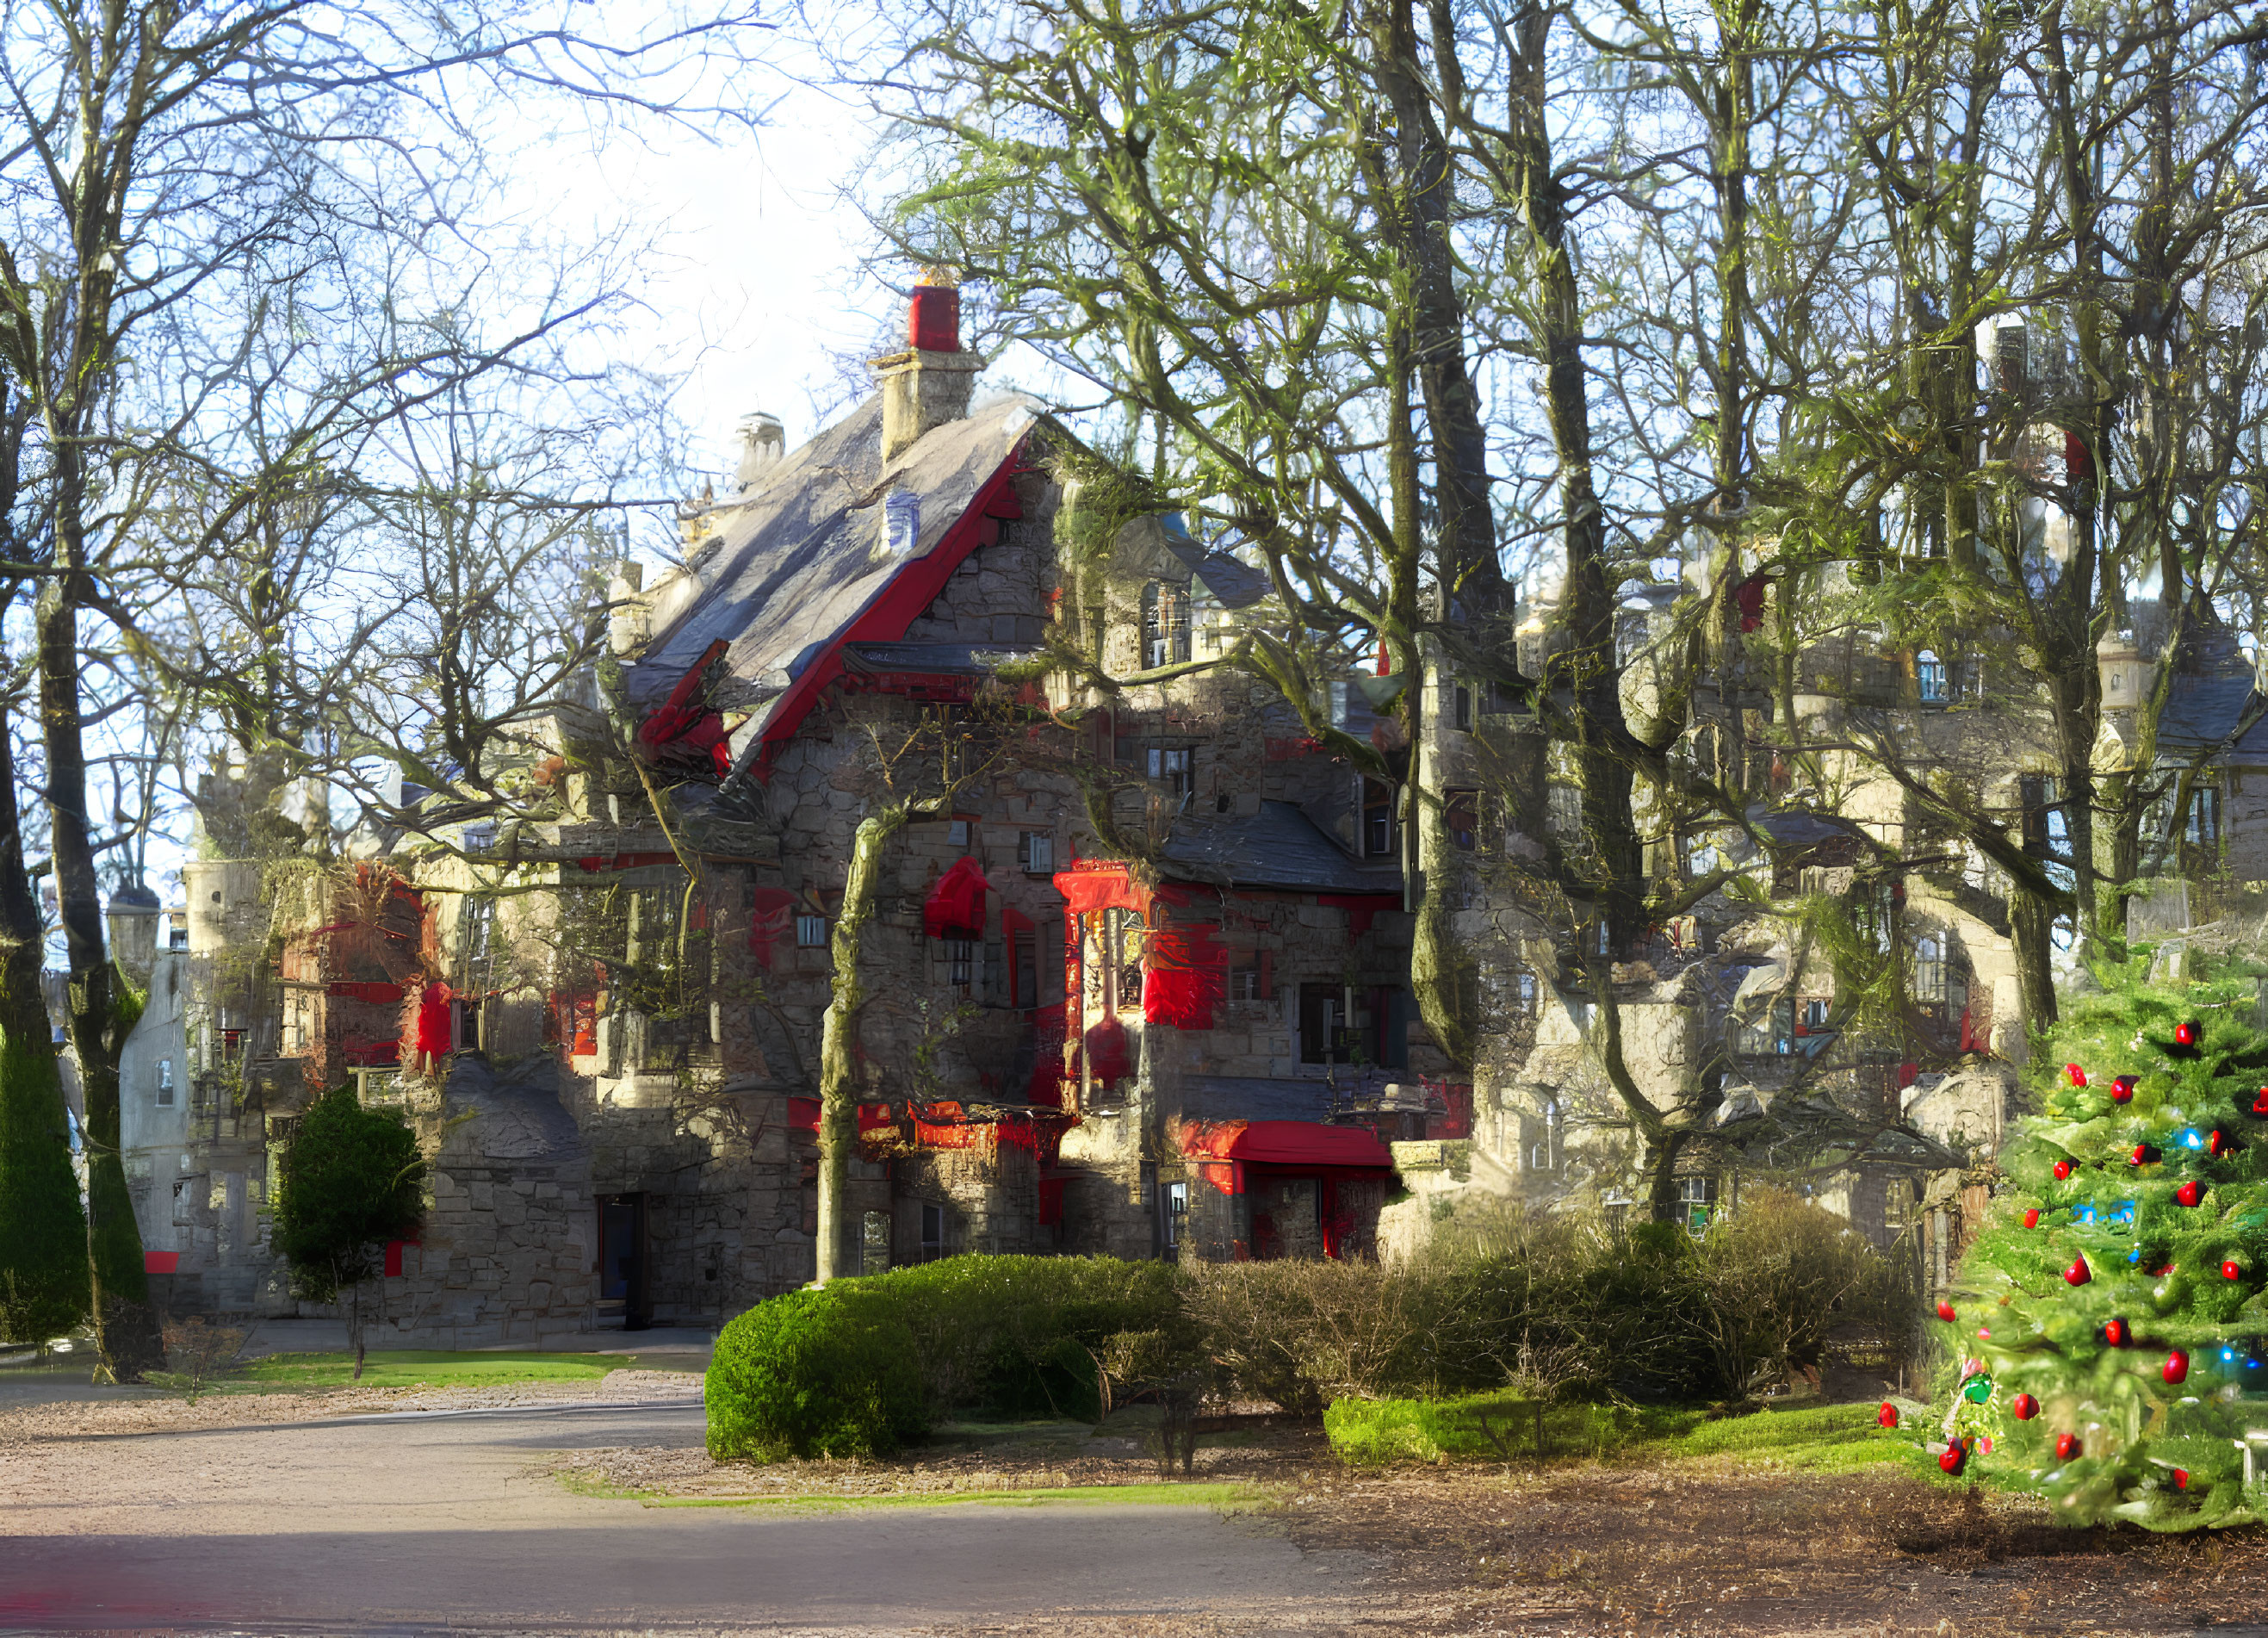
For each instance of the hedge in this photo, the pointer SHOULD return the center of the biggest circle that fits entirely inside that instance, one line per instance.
(864, 1365)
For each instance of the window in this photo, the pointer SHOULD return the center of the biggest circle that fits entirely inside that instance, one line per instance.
(1543, 1156)
(477, 930)
(1771, 1035)
(1172, 767)
(1377, 819)
(960, 962)
(1165, 625)
(480, 838)
(1929, 678)
(1461, 813)
(1322, 1024)
(1525, 989)
(1175, 1198)
(1704, 859)
(165, 1084)
(1035, 852)
(1815, 1013)
(232, 1045)
(1024, 976)
(810, 933)
(1245, 983)
(177, 936)
(957, 833)
(933, 1231)
(2202, 824)
(1695, 1198)
(184, 1197)
(1929, 968)
(1464, 708)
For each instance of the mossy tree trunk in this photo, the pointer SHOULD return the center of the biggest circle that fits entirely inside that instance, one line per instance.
(43, 1262)
(838, 1092)
(97, 1015)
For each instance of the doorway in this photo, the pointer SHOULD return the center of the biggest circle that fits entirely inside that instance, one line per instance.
(622, 1259)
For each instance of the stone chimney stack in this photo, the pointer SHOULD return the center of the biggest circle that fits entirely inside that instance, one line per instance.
(133, 916)
(763, 446)
(929, 383)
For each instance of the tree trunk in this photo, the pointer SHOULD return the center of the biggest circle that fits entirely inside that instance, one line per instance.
(44, 1263)
(126, 1328)
(838, 1095)
(2031, 926)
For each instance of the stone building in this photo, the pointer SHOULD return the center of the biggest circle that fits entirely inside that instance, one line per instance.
(1136, 962)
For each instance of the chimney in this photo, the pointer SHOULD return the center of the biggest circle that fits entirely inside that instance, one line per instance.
(763, 446)
(929, 383)
(133, 919)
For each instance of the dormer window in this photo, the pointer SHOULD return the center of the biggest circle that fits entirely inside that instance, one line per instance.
(1165, 625)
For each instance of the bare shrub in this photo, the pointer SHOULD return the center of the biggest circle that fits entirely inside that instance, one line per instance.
(199, 1356)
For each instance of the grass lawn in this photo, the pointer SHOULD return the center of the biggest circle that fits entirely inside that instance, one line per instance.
(418, 1368)
(1199, 1493)
(1494, 1427)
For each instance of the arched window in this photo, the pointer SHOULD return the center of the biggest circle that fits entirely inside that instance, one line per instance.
(1544, 1157)
(1929, 678)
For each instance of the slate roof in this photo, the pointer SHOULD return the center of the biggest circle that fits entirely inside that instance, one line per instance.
(1279, 847)
(1234, 585)
(796, 564)
(2202, 712)
(1248, 1097)
(938, 659)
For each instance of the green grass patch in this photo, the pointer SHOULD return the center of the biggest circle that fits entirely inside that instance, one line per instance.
(1219, 1494)
(416, 1368)
(1496, 1428)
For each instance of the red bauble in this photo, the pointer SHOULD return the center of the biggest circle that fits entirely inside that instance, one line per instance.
(1888, 1416)
(2032, 1218)
(2078, 1075)
(2181, 1478)
(2147, 1155)
(1945, 1312)
(2025, 1406)
(2078, 1274)
(2062, 1170)
(2219, 1142)
(1952, 1459)
(2260, 1104)
(2066, 1446)
(2118, 1333)
(2231, 1269)
(2122, 1090)
(2176, 1368)
(2186, 1033)
(2191, 1192)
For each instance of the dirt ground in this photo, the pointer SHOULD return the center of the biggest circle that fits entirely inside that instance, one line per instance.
(1711, 1548)
(1694, 1547)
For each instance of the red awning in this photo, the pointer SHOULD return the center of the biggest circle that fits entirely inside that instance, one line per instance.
(1093, 885)
(955, 906)
(803, 1115)
(1284, 1143)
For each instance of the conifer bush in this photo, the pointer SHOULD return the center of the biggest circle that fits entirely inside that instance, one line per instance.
(43, 1274)
(2112, 1315)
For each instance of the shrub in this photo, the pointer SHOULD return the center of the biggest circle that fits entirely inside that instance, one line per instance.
(1777, 1274)
(827, 1372)
(865, 1364)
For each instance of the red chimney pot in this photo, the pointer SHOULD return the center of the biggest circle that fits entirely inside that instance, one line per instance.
(933, 318)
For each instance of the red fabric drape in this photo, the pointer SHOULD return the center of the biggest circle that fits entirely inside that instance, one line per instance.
(1046, 1085)
(955, 906)
(803, 1115)
(1185, 980)
(771, 914)
(1107, 1055)
(433, 1032)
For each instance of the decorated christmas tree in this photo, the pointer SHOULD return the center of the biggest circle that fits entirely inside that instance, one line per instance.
(2111, 1318)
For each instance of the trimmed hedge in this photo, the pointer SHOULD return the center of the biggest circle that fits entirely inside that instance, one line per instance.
(861, 1366)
